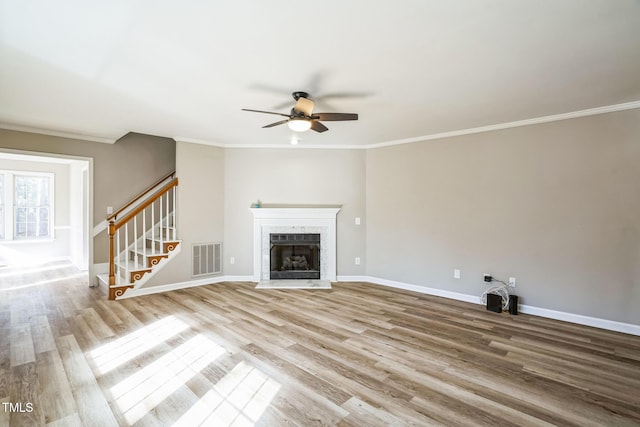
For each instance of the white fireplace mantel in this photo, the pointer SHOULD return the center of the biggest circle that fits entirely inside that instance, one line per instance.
(294, 220)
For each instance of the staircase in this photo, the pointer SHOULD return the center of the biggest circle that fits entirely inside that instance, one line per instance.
(142, 238)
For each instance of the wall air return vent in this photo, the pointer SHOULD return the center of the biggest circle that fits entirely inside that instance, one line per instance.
(206, 258)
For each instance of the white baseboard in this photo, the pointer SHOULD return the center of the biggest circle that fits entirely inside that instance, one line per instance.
(611, 325)
(352, 278)
(426, 290)
(239, 279)
(102, 226)
(130, 293)
(596, 322)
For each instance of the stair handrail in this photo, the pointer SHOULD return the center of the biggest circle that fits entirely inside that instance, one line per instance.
(140, 196)
(115, 224)
(120, 222)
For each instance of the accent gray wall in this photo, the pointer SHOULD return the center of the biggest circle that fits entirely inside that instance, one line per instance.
(200, 170)
(304, 177)
(556, 205)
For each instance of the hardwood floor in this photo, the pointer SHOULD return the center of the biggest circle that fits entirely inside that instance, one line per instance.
(356, 355)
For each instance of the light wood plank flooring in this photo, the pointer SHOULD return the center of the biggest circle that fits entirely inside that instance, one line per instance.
(356, 355)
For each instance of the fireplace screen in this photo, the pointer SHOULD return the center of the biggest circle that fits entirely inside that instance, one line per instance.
(295, 256)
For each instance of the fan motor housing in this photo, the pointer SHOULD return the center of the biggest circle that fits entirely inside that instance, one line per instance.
(299, 94)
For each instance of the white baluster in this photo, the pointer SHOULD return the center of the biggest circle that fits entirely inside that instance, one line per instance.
(153, 229)
(117, 256)
(166, 199)
(160, 221)
(175, 224)
(126, 246)
(135, 241)
(144, 232)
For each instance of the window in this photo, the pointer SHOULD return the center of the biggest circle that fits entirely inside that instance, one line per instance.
(26, 205)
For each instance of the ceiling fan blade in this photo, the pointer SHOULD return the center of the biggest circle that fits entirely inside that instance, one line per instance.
(318, 127)
(343, 95)
(304, 105)
(285, 104)
(269, 88)
(328, 117)
(265, 112)
(281, 122)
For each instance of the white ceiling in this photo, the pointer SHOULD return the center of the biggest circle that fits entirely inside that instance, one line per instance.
(412, 68)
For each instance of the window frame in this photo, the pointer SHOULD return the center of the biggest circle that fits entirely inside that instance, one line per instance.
(9, 206)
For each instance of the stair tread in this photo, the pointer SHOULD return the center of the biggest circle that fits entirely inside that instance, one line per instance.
(104, 277)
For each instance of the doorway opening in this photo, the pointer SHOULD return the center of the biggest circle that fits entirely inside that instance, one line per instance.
(45, 212)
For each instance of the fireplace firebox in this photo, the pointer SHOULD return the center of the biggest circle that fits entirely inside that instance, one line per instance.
(295, 256)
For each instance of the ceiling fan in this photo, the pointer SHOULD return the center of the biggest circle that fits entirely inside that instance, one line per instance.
(302, 117)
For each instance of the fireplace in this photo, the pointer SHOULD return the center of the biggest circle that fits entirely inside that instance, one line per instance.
(294, 256)
(316, 221)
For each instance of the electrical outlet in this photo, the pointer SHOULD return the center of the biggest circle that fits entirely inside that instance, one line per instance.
(456, 273)
(512, 282)
(357, 220)
(487, 277)
(232, 260)
(357, 260)
(109, 210)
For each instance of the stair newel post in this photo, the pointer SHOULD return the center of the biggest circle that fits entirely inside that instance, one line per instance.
(112, 269)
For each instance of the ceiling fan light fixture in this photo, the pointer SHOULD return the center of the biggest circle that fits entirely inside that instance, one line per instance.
(299, 124)
(302, 118)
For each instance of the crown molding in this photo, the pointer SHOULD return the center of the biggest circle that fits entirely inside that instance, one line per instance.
(429, 137)
(508, 125)
(51, 132)
(500, 126)
(273, 146)
(199, 141)
(300, 146)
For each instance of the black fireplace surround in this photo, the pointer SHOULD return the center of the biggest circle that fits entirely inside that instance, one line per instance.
(295, 256)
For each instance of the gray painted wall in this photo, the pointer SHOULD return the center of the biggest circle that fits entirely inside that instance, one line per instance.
(217, 187)
(556, 205)
(200, 170)
(300, 177)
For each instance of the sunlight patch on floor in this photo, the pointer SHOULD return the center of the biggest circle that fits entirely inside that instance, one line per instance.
(238, 399)
(19, 270)
(141, 392)
(121, 350)
(16, 274)
(45, 282)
